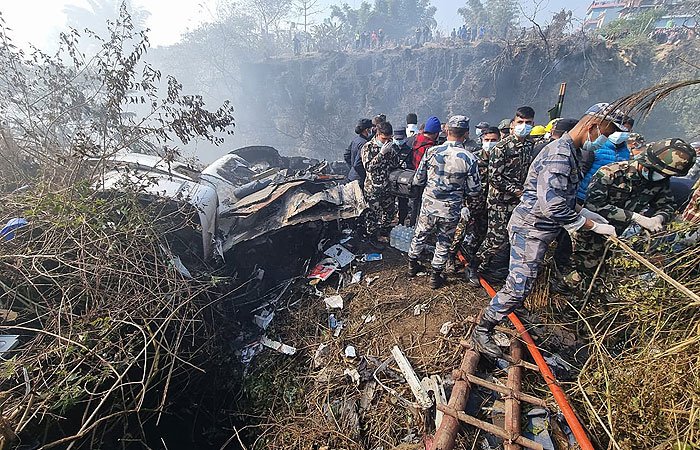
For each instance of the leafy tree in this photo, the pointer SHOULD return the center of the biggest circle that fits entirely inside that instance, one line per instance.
(57, 106)
(397, 18)
(502, 16)
(498, 16)
(474, 14)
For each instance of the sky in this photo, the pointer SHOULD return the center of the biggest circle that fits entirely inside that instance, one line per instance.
(170, 19)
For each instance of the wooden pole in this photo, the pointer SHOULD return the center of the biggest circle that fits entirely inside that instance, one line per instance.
(489, 428)
(446, 434)
(515, 381)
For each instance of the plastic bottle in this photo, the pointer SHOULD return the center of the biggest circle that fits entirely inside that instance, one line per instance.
(392, 236)
(332, 322)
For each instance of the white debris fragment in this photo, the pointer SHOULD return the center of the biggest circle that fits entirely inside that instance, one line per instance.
(356, 277)
(420, 309)
(264, 318)
(278, 346)
(369, 318)
(354, 375)
(338, 329)
(350, 352)
(334, 302)
(371, 280)
(321, 355)
(411, 378)
(341, 254)
(446, 328)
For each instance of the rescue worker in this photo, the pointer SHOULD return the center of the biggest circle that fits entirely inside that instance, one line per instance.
(404, 154)
(556, 130)
(353, 155)
(548, 204)
(509, 161)
(450, 175)
(614, 150)
(627, 192)
(480, 128)
(426, 139)
(379, 158)
(472, 230)
(504, 127)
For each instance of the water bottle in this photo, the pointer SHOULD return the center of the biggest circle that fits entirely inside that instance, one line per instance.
(332, 322)
(392, 236)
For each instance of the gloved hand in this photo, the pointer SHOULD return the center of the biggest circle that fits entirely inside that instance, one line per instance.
(595, 217)
(652, 224)
(386, 148)
(604, 229)
(464, 213)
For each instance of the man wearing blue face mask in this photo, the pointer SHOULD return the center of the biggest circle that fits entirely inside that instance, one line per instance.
(614, 150)
(547, 205)
(508, 162)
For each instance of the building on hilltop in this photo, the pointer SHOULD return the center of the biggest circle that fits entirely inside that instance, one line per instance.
(602, 12)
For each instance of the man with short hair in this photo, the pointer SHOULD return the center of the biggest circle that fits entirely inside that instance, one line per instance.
(547, 204)
(450, 175)
(379, 159)
(559, 127)
(508, 163)
(353, 156)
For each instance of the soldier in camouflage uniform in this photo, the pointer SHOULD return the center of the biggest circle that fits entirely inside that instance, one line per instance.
(379, 159)
(507, 168)
(547, 205)
(631, 191)
(450, 175)
(472, 230)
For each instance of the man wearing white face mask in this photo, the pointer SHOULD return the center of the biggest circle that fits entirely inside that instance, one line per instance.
(508, 162)
(614, 150)
(629, 192)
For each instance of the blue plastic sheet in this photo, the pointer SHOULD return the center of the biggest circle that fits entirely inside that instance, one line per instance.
(8, 231)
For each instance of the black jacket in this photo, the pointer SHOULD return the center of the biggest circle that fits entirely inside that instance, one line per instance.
(353, 157)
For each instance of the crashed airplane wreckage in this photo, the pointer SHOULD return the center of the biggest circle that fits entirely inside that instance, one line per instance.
(238, 199)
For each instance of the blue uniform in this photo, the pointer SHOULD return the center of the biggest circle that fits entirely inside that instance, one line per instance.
(547, 205)
(450, 175)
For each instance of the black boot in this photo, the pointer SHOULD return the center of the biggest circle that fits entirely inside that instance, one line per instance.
(414, 267)
(436, 279)
(471, 275)
(482, 337)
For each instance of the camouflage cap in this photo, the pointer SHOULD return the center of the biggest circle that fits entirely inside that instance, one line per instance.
(671, 157)
(504, 124)
(460, 122)
(482, 125)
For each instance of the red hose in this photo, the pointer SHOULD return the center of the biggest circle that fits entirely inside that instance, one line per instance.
(557, 391)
